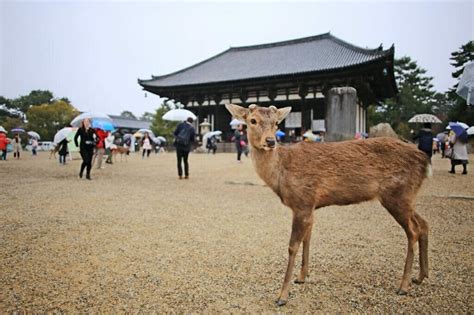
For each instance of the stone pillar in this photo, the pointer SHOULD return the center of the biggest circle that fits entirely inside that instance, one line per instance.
(341, 113)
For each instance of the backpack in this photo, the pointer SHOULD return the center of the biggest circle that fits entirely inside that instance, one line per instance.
(184, 135)
(426, 142)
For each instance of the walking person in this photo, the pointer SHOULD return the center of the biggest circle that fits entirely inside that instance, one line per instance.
(146, 145)
(184, 138)
(4, 141)
(16, 146)
(99, 148)
(34, 146)
(109, 146)
(459, 152)
(63, 151)
(86, 147)
(425, 140)
(240, 144)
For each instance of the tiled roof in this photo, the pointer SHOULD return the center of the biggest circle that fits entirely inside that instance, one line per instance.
(311, 54)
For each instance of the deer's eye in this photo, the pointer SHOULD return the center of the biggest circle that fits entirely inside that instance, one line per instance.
(253, 121)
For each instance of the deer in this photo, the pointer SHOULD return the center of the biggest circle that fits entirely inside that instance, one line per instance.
(308, 176)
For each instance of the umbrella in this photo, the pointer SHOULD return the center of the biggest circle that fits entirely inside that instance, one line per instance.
(127, 135)
(150, 133)
(466, 84)
(458, 128)
(2, 129)
(16, 130)
(470, 131)
(308, 134)
(103, 124)
(280, 133)
(179, 115)
(161, 138)
(34, 134)
(235, 122)
(214, 133)
(63, 134)
(91, 115)
(441, 136)
(425, 118)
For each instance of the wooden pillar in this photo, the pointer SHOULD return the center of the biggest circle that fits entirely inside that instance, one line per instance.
(217, 99)
(303, 92)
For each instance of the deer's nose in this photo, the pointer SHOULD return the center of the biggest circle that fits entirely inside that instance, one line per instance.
(270, 141)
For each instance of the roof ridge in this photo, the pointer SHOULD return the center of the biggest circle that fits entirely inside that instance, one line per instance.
(284, 43)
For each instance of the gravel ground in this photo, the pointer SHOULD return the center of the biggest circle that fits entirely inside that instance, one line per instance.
(137, 239)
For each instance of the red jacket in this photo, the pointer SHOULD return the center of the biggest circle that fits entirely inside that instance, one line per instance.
(3, 141)
(101, 135)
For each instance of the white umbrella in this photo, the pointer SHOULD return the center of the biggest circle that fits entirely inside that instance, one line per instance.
(2, 129)
(470, 131)
(91, 115)
(235, 122)
(62, 134)
(466, 84)
(161, 138)
(34, 134)
(425, 118)
(179, 115)
(150, 133)
(213, 133)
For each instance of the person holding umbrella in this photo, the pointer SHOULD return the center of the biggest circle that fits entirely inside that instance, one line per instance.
(425, 139)
(16, 146)
(86, 147)
(458, 142)
(184, 138)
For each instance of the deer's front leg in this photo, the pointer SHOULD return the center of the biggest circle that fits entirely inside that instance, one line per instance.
(306, 242)
(302, 221)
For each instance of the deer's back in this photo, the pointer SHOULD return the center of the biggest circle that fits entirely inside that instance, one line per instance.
(349, 172)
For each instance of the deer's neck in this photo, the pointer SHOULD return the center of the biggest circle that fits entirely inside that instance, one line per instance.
(266, 164)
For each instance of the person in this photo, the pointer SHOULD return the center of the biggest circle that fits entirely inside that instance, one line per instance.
(240, 144)
(425, 140)
(4, 141)
(211, 144)
(459, 152)
(16, 146)
(146, 145)
(86, 147)
(34, 146)
(184, 138)
(99, 148)
(63, 151)
(109, 146)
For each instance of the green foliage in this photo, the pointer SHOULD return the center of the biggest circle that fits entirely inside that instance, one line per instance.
(11, 122)
(36, 97)
(416, 96)
(459, 110)
(47, 119)
(162, 127)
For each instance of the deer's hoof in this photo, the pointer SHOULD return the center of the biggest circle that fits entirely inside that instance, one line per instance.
(416, 281)
(298, 281)
(280, 302)
(401, 292)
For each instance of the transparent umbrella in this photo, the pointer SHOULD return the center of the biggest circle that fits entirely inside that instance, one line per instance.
(34, 134)
(425, 118)
(91, 115)
(466, 84)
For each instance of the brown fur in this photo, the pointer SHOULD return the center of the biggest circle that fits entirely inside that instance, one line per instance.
(308, 176)
(122, 151)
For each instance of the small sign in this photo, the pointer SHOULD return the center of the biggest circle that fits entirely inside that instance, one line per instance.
(293, 120)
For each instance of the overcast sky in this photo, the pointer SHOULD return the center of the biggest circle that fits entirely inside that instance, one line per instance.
(93, 52)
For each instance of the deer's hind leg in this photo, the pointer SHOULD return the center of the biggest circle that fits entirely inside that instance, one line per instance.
(402, 210)
(423, 249)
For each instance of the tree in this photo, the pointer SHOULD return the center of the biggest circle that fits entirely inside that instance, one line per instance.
(162, 127)
(128, 114)
(416, 96)
(36, 97)
(47, 119)
(459, 110)
(147, 116)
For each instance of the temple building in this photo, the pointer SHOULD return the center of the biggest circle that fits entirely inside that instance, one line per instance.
(328, 82)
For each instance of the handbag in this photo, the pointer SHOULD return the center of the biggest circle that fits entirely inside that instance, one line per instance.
(242, 143)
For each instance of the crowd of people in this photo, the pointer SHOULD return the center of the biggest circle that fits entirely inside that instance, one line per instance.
(94, 144)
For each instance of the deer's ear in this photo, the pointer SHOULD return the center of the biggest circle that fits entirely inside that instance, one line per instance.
(237, 111)
(282, 113)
